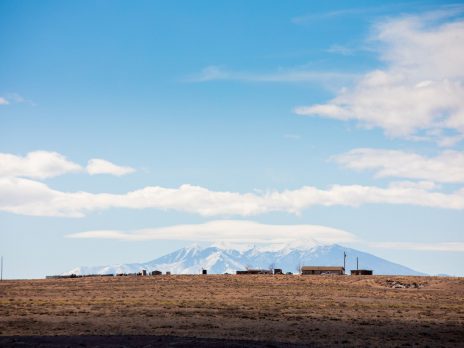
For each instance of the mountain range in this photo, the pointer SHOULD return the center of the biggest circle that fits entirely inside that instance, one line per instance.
(223, 258)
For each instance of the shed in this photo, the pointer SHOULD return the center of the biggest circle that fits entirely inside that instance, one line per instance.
(156, 273)
(322, 270)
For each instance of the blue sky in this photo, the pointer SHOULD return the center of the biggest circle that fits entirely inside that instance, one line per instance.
(117, 117)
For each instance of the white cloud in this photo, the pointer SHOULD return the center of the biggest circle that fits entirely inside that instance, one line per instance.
(100, 166)
(23, 196)
(447, 167)
(229, 231)
(46, 164)
(420, 93)
(440, 246)
(3, 101)
(36, 164)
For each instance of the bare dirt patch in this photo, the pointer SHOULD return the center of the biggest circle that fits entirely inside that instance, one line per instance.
(264, 309)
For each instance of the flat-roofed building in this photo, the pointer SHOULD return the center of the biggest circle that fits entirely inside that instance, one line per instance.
(361, 272)
(255, 271)
(317, 270)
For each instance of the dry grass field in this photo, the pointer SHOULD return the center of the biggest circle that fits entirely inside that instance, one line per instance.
(230, 310)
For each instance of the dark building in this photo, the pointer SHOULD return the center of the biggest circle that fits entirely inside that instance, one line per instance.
(255, 271)
(317, 270)
(361, 272)
(278, 271)
(156, 273)
(204, 271)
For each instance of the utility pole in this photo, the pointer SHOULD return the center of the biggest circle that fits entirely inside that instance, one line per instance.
(357, 264)
(344, 261)
(1, 271)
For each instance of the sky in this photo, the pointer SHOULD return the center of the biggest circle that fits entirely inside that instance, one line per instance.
(131, 129)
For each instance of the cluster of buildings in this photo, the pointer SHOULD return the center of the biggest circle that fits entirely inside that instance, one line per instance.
(314, 270)
(142, 273)
(77, 276)
(304, 270)
(311, 270)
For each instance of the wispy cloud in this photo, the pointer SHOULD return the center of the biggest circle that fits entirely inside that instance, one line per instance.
(237, 231)
(217, 73)
(440, 246)
(354, 11)
(341, 49)
(292, 136)
(14, 98)
(310, 17)
(381, 10)
(420, 95)
(447, 167)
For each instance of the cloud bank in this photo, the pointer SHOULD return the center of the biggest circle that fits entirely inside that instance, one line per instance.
(21, 193)
(420, 93)
(29, 197)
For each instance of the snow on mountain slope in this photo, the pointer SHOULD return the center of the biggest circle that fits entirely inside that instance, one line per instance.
(219, 258)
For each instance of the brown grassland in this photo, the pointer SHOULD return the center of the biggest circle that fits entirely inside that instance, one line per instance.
(279, 310)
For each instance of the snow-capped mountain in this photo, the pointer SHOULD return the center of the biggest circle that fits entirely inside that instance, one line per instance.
(221, 258)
